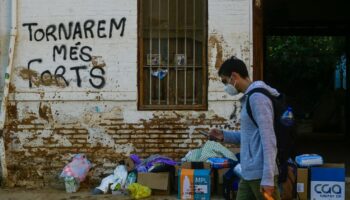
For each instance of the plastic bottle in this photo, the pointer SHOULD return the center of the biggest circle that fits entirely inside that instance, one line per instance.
(186, 188)
(71, 184)
(130, 179)
(287, 118)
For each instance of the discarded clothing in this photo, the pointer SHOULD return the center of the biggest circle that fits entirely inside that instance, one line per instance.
(210, 149)
(153, 161)
(135, 158)
(77, 168)
(117, 180)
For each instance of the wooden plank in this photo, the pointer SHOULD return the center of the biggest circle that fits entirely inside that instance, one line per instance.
(140, 57)
(258, 40)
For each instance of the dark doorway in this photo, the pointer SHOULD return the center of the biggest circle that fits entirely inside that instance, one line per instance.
(306, 56)
(311, 70)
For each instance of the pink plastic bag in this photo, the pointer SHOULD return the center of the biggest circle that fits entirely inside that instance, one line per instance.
(78, 168)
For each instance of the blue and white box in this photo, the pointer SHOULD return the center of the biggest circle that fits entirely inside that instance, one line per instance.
(202, 184)
(328, 182)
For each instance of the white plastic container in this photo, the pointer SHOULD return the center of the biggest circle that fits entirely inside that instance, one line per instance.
(72, 184)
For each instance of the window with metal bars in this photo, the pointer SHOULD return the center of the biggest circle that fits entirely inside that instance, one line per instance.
(172, 60)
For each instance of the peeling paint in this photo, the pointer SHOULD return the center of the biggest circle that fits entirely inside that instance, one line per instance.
(215, 42)
(28, 74)
(12, 88)
(45, 111)
(38, 139)
(97, 61)
(130, 116)
(12, 113)
(34, 77)
(98, 136)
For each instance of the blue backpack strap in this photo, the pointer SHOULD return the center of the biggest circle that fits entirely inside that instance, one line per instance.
(249, 109)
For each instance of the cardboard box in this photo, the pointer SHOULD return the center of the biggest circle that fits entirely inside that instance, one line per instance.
(302, 183)
(194, 184)
(158, 182)
(186, 184)
(195, 165)
(328, 182)
(202, 187)
(221, 173)
(219, 180)
(192, 165)
(288, 186)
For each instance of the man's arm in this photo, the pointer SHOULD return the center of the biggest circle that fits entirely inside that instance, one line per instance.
(262, 111)
(225, 136)
(232, 136)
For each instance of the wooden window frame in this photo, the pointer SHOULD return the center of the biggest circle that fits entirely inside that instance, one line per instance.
(258, 39)
(140, 70)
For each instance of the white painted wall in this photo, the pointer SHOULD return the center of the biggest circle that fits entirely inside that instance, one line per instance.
(229, 20)
(49, 121)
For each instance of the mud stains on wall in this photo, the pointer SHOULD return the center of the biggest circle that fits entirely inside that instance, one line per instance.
(45, 111)
(97, 61)
(215, 42)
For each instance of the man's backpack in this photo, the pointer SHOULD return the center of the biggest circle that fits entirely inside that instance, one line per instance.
(284, 134)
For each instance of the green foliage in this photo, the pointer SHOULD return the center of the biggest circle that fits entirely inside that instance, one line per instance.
(302, 67)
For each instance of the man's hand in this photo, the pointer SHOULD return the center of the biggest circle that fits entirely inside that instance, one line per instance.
(216, 135)
(267, 191)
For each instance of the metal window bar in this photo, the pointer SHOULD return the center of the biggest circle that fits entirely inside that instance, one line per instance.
(174, 66)
(203, 29)
(160, 56)
(194, 51)
(168, 57)
(185, 73)
(177, 27)
(150, 54)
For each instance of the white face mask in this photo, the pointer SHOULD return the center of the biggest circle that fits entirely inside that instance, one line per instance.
(231, 89)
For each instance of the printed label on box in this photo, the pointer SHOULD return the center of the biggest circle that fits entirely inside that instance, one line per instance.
(201, 189)
(300, 187)
(327, 190)
(186, 184)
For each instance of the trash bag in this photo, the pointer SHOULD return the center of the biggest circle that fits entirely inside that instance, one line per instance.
(114, 182)
(120, 175)
(139, 191)
(77, 168)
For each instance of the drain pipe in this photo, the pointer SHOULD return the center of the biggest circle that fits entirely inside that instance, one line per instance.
(4, 102)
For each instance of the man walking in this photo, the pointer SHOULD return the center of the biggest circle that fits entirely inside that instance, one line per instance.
(257, 143)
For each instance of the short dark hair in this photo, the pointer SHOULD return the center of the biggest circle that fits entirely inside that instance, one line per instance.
(233, 64)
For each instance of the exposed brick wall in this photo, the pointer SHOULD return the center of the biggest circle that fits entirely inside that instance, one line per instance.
(38, 158)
